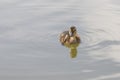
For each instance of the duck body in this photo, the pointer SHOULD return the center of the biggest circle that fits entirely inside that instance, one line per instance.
(70, 38)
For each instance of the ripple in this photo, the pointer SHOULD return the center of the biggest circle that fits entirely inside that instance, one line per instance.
(91, 38)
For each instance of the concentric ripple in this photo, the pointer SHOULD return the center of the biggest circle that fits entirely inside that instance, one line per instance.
(101, 35)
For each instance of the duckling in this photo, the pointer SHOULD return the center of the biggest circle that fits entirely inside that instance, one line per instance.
(70, 37)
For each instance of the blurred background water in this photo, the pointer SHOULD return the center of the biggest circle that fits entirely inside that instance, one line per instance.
(29, 45)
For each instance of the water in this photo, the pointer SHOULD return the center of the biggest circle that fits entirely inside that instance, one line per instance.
(29, 45)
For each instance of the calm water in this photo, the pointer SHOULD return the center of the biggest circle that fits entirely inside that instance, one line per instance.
(29, 45)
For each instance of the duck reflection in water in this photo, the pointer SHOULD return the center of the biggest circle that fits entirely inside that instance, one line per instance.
(71, 40)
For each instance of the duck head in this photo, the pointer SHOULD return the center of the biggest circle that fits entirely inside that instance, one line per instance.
(72, 31)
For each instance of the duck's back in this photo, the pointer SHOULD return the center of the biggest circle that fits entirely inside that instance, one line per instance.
(65, 33)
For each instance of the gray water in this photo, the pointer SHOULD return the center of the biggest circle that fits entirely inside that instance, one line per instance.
(29, 45)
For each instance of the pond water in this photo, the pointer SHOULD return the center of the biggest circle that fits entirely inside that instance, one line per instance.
(30, 47)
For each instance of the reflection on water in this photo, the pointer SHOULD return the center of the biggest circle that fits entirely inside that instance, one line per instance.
(73, 49)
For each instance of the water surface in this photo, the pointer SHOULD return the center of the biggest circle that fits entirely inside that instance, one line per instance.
(29, 45)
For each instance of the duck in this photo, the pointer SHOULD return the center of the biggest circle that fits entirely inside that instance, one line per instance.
(70, 37)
